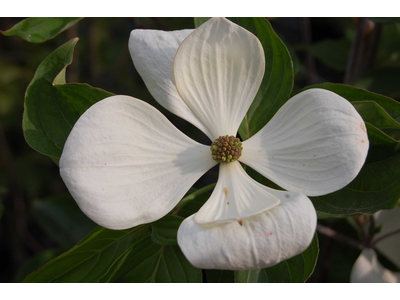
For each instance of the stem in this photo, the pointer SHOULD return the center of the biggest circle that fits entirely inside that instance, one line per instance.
(385, 236)
(371, 231)
(193, 196)
(339, 237)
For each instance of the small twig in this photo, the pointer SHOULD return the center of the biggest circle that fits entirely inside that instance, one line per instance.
(373, 243)
(371, 231)
(339, 237)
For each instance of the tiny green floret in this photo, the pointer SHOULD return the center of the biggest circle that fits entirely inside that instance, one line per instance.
(226, 149)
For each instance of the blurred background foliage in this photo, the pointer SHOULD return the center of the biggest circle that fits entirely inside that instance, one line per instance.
(38, 218)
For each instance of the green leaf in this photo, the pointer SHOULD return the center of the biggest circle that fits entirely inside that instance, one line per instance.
(90, 260)
(375, 115)
(39, 30)
(61, 217)
(377, 186)
(36, 261)
(145, 261)
(295, 269)
(388, 52)
(381, 146)
(165, 230)
(200, 20)
(278, 79)
(332, 53)
(352, 94)
(52, 110)
(194, 202)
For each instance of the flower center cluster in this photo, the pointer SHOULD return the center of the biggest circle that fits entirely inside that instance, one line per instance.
(226, 149)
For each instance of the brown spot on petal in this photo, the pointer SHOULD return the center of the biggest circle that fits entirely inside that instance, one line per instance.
(363, 127)
(226, 192)
(362, 141)
(227, 203)
(240, 222)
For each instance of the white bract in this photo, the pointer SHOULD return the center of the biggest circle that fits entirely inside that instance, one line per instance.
(126, 164)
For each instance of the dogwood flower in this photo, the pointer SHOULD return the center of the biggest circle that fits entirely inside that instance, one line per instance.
(126, 164)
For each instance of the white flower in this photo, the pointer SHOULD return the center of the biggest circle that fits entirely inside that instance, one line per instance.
(367, 268)
(126, 164)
